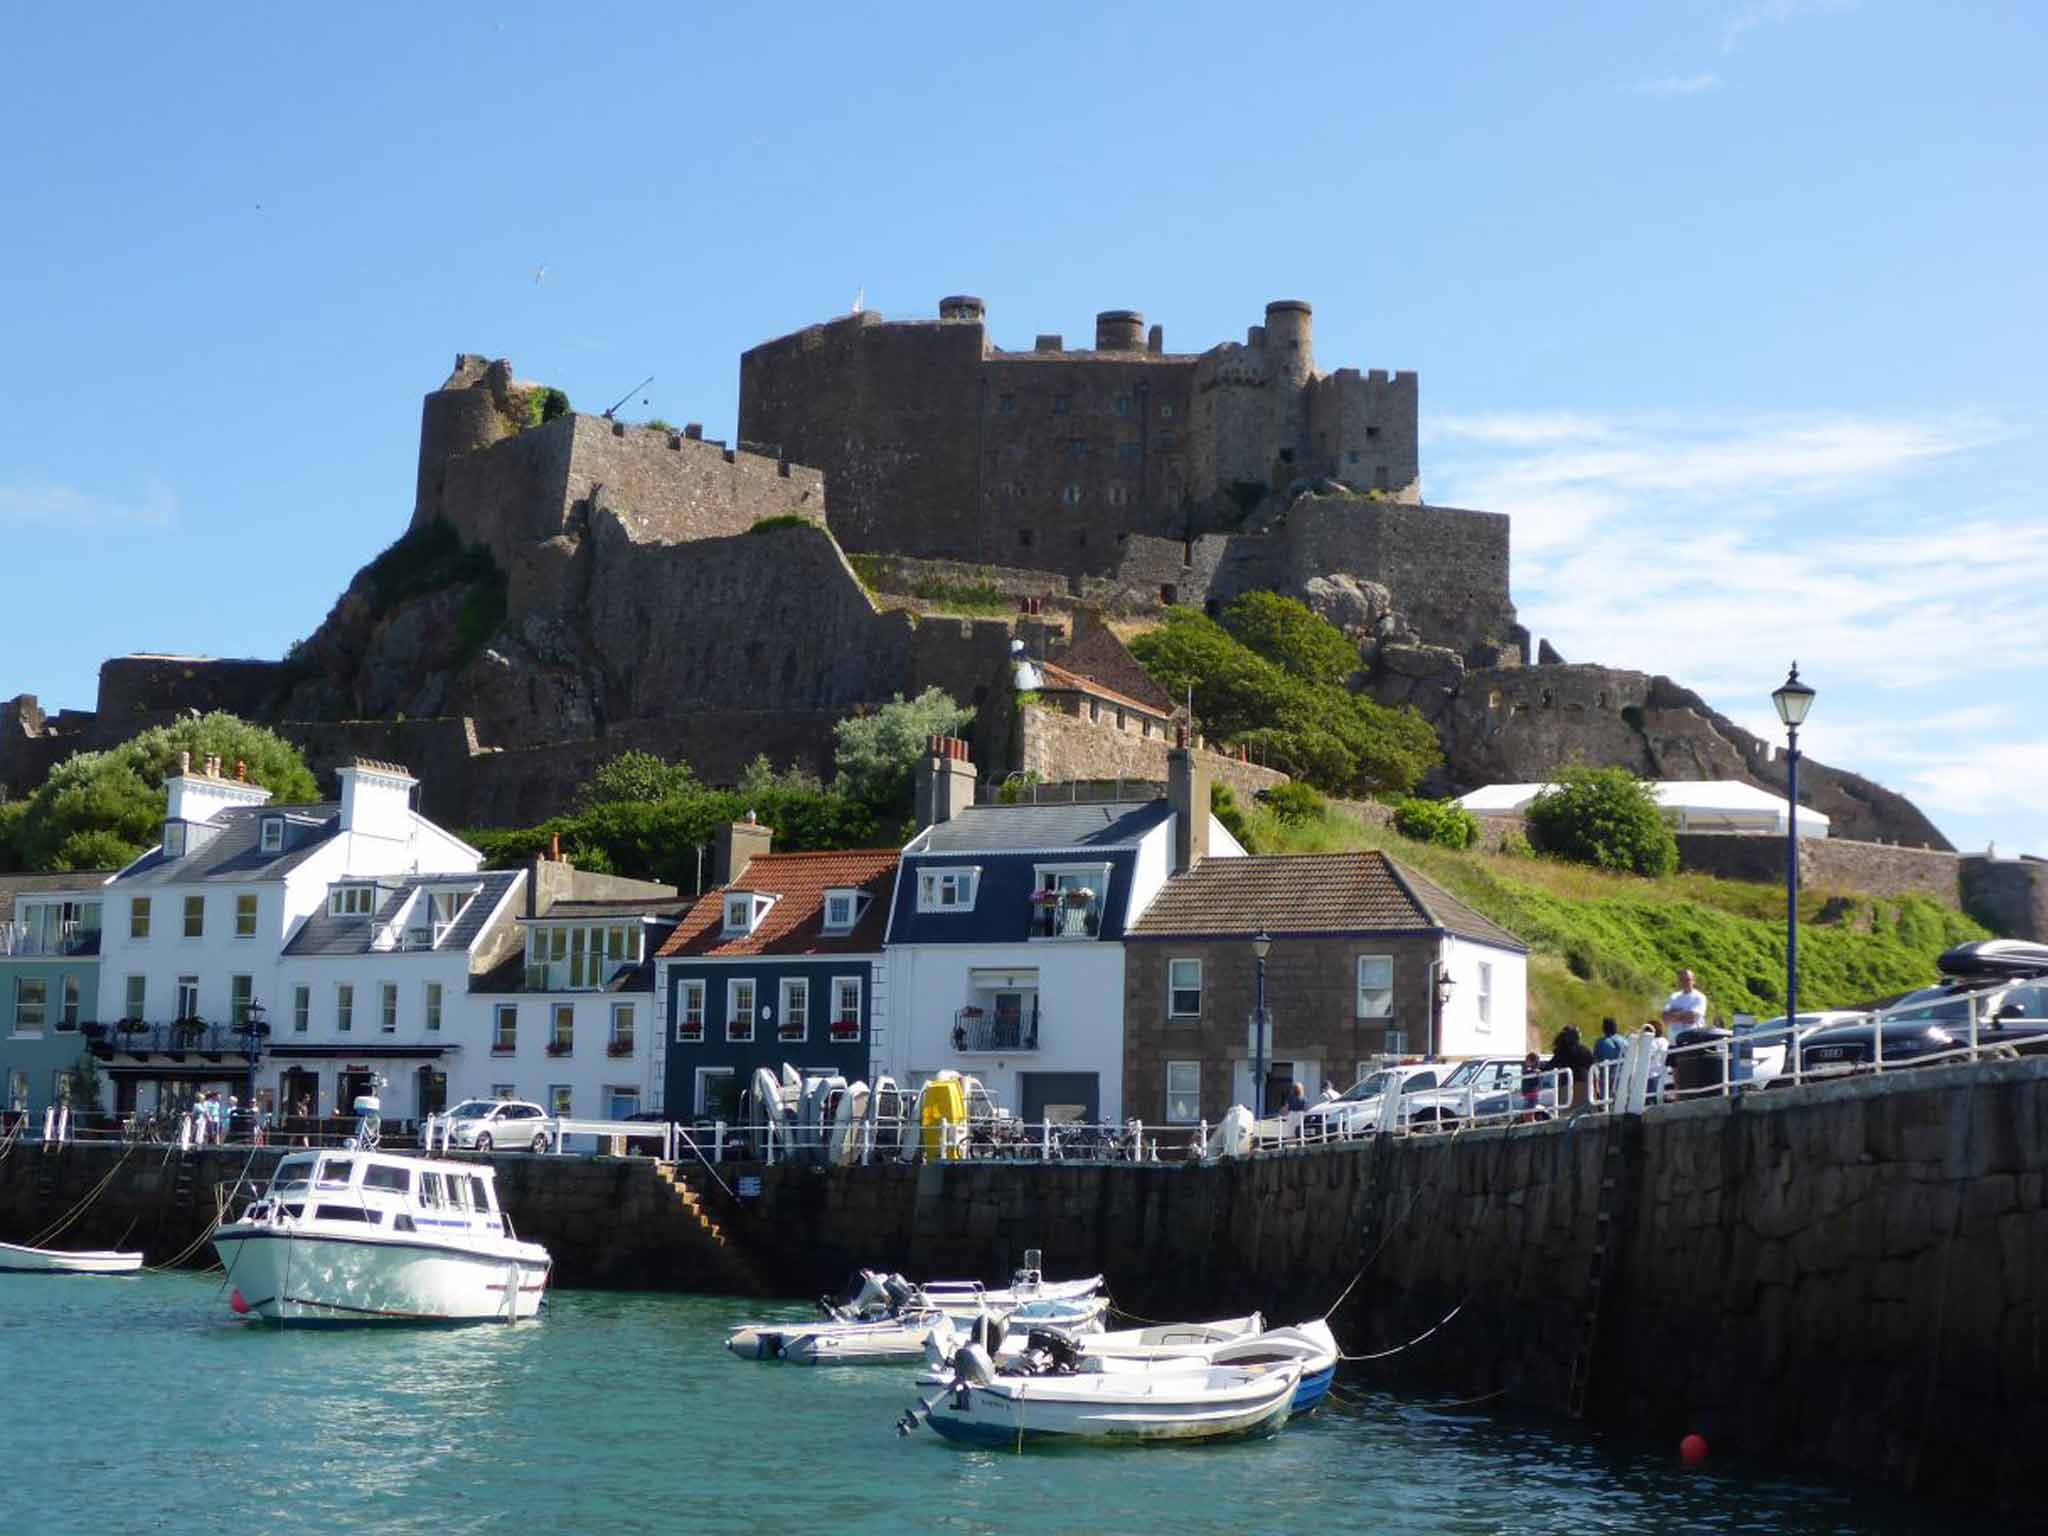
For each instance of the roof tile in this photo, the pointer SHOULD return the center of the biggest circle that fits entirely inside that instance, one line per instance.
(795, 925)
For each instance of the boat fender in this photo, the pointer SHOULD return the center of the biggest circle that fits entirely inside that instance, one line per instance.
(238, 1303)
(771, 1346)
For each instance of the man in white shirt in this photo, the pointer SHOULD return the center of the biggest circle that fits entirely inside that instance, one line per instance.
(1684, 1009)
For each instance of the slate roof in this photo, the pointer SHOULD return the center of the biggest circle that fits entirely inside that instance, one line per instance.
(233, 853)
(13, 887)
(1100, 656)
(1309, 893)
(795, 925)
(591, 911)
(328, 933)
(1027, 828)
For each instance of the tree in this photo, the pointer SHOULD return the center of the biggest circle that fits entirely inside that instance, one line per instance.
(1605, 817)
(1291, 635)
(1315, 730)
(878, 752)
(635, 778)
(100, 810)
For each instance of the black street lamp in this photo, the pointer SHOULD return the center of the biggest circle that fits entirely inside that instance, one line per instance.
(1439, 1000)
(1793, 699)
(253, 1031)
(1261, 942)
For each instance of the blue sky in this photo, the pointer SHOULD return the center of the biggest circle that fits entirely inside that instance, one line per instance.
(1737, 308)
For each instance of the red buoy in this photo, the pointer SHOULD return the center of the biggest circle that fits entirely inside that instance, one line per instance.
(1692, 1450)
(237, 1302)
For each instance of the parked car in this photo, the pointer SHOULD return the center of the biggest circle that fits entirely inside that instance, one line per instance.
(1485, 1087)
(1357, 1111)
(1934, 1022)
(510, 1124)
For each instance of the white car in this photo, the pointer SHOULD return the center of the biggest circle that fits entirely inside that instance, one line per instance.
(512, 1125)
(1357, 1112)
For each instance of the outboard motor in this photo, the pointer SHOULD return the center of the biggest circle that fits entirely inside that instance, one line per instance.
(973, 1365)
(1062, 1355)
(987, 1331)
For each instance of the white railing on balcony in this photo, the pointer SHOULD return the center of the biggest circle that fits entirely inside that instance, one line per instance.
(29, 940)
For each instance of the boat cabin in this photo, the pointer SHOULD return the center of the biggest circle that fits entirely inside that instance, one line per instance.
(398, 1194)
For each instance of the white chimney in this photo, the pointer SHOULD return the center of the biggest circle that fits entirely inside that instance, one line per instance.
(376, 799)
(201, 796)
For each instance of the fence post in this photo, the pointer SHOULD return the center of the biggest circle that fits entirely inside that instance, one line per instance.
(64, 1123)
(49, 1121)
(1975, 999)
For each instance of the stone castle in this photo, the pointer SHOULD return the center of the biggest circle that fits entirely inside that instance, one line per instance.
(660, 590)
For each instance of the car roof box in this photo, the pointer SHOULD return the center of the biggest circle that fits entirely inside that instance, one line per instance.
(1993, 958)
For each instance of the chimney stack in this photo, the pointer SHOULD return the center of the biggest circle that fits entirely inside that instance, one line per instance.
(945, 781)
(736, 846)
(1187, 792)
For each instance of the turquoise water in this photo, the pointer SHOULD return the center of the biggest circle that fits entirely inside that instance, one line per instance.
(135, 1404)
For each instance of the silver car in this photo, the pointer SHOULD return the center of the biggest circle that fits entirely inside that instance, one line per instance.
(511, 1124)
(1357, 1112)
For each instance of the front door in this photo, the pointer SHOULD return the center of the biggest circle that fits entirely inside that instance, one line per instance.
(1061, 1097)
(354, 1085)
(433, 1091)
(1280, 1076)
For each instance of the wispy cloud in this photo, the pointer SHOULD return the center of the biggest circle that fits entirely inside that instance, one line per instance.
(1759, 14)
(1677, 85)
(1716, 548)
(60, 505)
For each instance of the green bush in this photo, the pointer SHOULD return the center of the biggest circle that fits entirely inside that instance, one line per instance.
(1515, 844)
(1294, 802)
(1312, 729)
(1292, 636)
(877, 753)
(544, 404)
(636, 777)
(782, 520)
(1223, 805)
(101, 810)
(1443, 822)
(983, 597)
(1605, 817)
(657, 424)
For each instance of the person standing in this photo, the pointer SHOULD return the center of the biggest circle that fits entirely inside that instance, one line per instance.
(1607, 1058)
(1685, 1008)
(1570, 1055)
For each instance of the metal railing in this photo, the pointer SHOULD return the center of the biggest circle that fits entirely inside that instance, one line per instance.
(975, 1029)
(28, 940)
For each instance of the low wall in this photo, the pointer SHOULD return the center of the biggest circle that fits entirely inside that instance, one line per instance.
(1059, 747)
(1826, 863)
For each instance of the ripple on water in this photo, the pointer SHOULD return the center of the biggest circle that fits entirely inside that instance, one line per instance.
(138, 1404)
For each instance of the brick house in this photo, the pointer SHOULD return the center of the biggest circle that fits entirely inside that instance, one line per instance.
(1358, 944)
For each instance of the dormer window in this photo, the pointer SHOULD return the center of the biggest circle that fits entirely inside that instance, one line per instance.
(352, 900)
(174, 839)
(947, 890)
(744, 911)
(842, 910)
(273, 834)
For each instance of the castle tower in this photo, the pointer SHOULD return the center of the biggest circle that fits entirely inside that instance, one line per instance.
(465, 413)
(962, 306)
(1290, 343)
(1120, 330)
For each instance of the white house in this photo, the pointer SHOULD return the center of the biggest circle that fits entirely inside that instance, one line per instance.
(1005, 946)
(195, 931)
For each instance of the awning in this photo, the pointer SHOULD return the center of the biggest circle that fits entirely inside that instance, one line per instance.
(991, 977)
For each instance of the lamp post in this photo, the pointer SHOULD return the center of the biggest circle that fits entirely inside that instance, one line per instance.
(1261, 942)
(252, 1029)
(1793, 699)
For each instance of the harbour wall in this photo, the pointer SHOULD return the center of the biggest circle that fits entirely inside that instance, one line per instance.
(1848, 1280)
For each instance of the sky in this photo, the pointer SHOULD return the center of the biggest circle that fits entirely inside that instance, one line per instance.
(1735, 306)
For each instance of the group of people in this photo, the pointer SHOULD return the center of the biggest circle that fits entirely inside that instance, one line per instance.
(1685, 1008)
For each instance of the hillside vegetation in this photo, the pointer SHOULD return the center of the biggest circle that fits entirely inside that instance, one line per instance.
(1606, 944)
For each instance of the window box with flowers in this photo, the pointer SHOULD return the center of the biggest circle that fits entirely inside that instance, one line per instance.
(618, 1048)
(559, 1047)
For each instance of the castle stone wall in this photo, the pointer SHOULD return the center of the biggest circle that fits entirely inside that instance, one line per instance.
(142, 690)
(1059, 748)
(1827, 864)
(2008, 896)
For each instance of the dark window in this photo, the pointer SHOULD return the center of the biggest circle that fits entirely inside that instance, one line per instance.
(1061, 404)
(378, 1176)
(1286, 455)
(1123, 405)
(1024, 537)
(1371, 433)
(1169, 594)
(1129, 453)
(1006, 405)
(1077, 446)
(1165, 440)
(345, 1213)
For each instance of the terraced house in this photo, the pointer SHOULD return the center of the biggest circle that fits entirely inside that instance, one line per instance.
(49, 985)
(781, 962)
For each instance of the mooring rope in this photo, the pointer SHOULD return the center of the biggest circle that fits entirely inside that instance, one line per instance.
(83, 1205)
(1384, 1353)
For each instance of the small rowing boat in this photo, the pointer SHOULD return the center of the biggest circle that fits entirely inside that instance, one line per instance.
(18, 1260)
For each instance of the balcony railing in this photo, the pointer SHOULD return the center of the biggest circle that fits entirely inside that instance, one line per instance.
(1074, 914)
(22, 941)
(133, 1037)
(977, 1030)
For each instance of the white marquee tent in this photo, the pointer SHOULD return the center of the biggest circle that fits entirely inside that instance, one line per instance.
(1700, 805)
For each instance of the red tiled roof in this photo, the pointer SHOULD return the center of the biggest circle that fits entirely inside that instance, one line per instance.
(795, 924)
(1060, 680)
(1299, 893)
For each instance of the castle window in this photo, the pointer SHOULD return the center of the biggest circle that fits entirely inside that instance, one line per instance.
(1006, 405)
(1351, 457)
(1286, 455)
(1072, 494)
(1130, 453)
(1118, 494)
(1061, 404)
(1166, 410)
(1165, 441)
(1371, 433)
(1123, 405)
(1024, 537)
(1169, 594)
(1379, 476)
(1077, 447)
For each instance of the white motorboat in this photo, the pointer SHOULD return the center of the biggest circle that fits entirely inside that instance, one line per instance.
(360, 1236)
(1209, 1403)
(966, 1299)
(1310, 1345)
(893, 1341)
(15, 1259)
(1161, 1341)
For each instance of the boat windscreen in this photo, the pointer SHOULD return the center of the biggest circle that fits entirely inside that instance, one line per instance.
(335, 1172)
(292, 1173)
(480, 1192)
(384, 1176)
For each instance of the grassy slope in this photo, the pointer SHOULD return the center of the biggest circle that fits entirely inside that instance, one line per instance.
(1606, 944)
